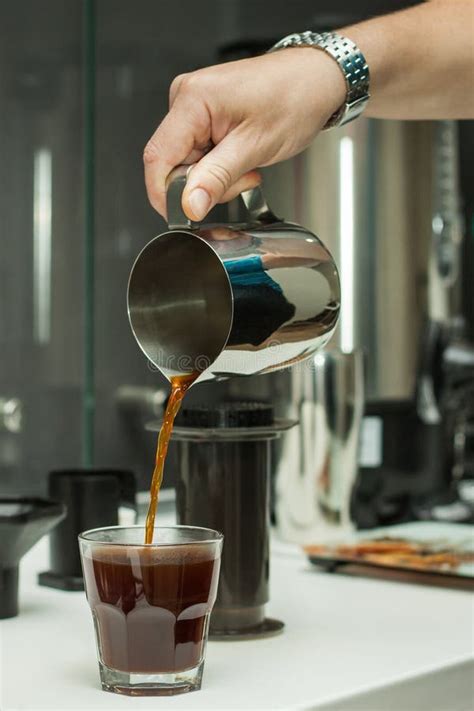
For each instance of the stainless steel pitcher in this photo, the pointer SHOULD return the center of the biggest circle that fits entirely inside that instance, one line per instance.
(231, 299)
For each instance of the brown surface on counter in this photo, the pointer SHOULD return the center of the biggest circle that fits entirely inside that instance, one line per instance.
(395, 553)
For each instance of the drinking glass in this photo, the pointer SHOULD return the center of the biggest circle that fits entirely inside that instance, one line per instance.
(151, 605)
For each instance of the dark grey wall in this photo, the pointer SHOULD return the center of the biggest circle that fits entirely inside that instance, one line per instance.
(140, 47)
(40, 109)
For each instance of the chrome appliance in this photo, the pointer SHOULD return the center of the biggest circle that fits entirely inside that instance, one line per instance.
(385, 195)
(318, 463)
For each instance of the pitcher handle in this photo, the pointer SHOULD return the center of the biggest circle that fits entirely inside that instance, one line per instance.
(175, 184)
(253, 199)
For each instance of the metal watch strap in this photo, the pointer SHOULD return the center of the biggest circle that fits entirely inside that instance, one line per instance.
(351, 62)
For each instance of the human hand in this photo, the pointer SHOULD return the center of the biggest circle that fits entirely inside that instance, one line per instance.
(230, 119)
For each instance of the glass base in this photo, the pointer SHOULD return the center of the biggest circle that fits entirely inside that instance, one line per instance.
(133, 684)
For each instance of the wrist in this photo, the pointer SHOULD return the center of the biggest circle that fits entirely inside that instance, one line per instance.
(330, 88)
(324, 85)
(350, 62)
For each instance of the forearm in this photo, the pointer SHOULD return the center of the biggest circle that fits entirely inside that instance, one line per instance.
(421, 61)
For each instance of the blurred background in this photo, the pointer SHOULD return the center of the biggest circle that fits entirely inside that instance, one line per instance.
(83, 85)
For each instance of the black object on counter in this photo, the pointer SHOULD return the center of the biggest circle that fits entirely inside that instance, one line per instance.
(224, 460)
(92, 497)
(23, 521)
(388, 491)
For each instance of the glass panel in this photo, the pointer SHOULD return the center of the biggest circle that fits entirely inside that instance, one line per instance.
(140, 48)
(82, 87)
(41, 246)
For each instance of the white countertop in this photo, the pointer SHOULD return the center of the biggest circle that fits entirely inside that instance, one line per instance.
(344, 636)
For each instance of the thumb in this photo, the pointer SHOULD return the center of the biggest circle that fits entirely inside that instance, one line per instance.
(214, 175)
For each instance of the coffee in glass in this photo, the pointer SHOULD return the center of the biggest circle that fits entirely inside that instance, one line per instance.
(151, 605)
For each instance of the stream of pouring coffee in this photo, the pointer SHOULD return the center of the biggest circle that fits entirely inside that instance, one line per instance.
(179, 386)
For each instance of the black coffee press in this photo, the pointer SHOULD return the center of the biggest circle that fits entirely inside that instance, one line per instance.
(92, 497)
(23, 521)
(224, 460)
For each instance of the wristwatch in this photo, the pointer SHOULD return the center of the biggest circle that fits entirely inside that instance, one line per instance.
(352, 63)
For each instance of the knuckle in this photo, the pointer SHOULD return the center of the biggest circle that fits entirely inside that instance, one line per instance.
(192, 82)
(176, 83)
(220, 174)
(151, 152)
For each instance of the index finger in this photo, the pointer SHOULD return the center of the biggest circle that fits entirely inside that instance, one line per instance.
(180, 132)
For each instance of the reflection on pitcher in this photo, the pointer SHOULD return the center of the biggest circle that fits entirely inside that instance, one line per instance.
(319, 457)
(264, 311)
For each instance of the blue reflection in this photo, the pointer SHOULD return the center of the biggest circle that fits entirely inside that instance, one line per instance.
(249, 271)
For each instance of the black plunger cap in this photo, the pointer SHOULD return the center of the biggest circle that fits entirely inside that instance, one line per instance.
(226, 415)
